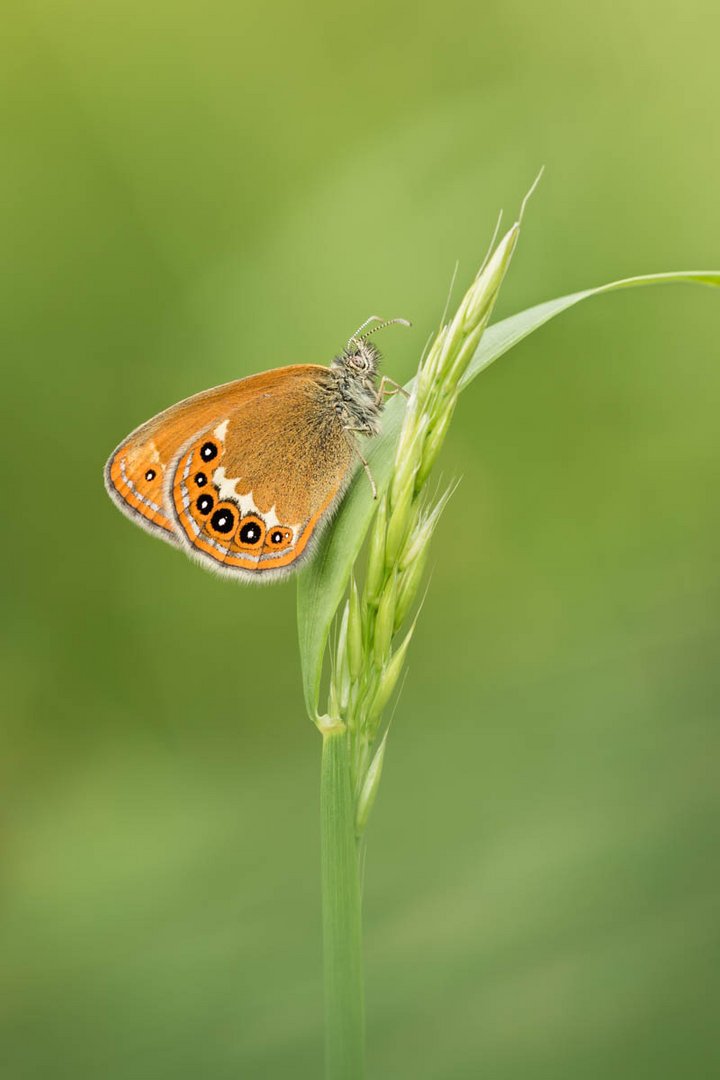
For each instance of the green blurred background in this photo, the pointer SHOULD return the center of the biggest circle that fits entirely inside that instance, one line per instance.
(193, 192)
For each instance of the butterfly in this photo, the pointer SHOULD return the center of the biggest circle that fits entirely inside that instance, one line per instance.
(245, 476)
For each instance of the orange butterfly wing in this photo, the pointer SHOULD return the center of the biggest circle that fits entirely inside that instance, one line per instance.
(282, 461)
(249, 491)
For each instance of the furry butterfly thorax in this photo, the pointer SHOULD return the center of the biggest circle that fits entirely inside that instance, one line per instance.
(244, 476)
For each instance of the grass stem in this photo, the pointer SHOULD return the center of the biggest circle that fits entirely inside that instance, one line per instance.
(342, 938)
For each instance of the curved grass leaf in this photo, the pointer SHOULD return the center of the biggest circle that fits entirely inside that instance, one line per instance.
(322, 584)
(502, 336)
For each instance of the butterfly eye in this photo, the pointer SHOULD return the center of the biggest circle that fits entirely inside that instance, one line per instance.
(360, 361)
(208, 451)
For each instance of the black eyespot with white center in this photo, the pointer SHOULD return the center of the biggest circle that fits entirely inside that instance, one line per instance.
(208, 451)
(276, 537)
(222, 521)
(250, 533)
(150, 474)
(205, 504)
(200, 479)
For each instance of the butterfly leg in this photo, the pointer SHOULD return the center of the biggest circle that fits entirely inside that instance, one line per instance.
(365, 464)
(396, 389)
(366, 467)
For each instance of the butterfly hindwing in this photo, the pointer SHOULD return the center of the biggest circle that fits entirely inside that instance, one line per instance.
(249, 491)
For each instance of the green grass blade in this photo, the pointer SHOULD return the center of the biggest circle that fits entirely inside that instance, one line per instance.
(322, 584)
(502, 336)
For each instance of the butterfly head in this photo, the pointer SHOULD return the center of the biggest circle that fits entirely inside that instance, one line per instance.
(358, 360)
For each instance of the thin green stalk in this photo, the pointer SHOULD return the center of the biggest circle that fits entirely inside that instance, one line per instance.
(342, 936)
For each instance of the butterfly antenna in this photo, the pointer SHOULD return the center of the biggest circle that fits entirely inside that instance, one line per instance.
(360, 336)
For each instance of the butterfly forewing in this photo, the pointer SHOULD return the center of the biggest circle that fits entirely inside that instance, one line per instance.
(135, 475)
(134, 480)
